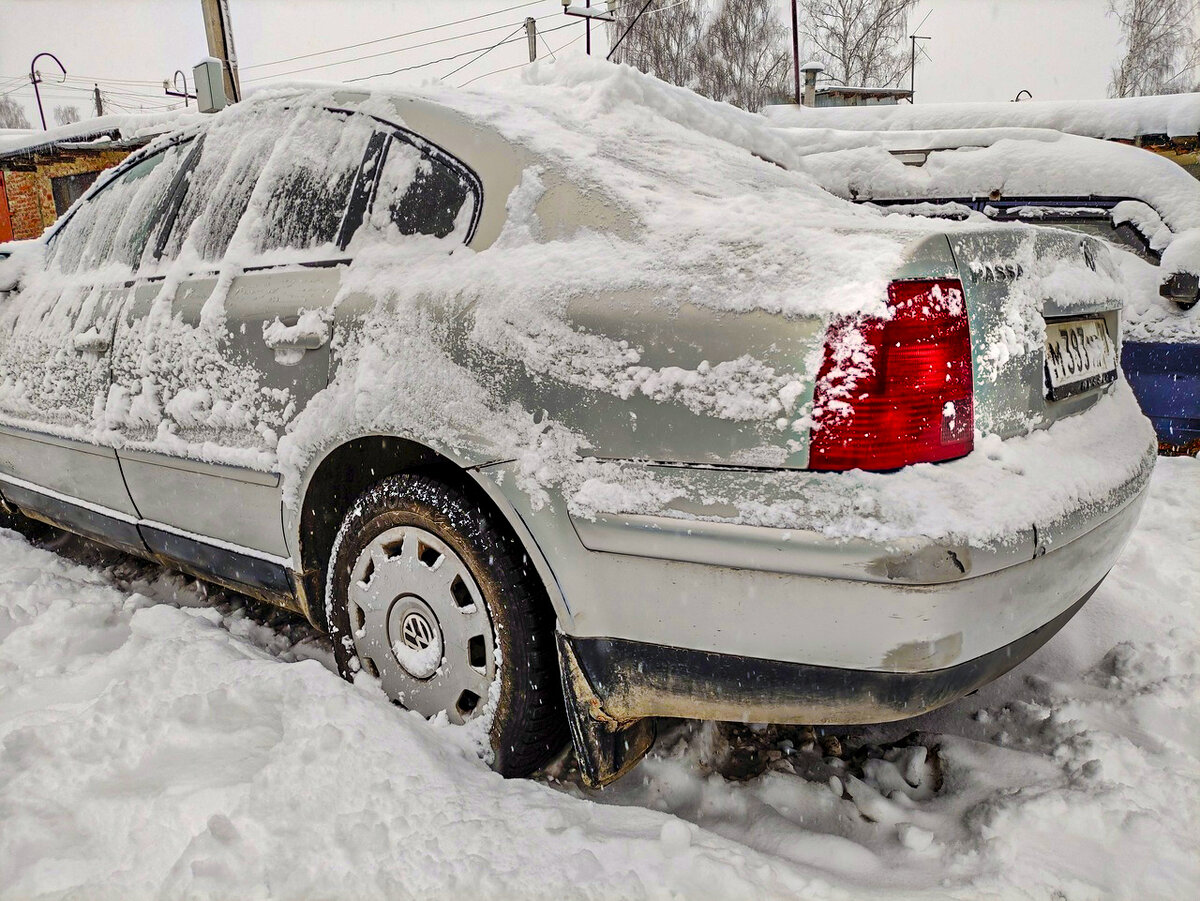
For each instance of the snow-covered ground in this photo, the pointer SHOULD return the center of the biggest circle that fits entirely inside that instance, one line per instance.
(155, 742)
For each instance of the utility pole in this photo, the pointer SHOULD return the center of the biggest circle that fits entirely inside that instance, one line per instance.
(606, 14)
(98, 100)
(796, 49)
(531, 33)
(219, 30)
(912, 65)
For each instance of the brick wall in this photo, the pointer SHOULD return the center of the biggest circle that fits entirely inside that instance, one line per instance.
(29, 193)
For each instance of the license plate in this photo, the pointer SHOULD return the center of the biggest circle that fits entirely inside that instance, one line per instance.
(1079, 357)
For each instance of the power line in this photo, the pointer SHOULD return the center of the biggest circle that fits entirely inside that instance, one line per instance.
(93, 79)
(393, 37)
(355, 59)
(496, 72)
(523, 65)
(446, 59)
(485, 52)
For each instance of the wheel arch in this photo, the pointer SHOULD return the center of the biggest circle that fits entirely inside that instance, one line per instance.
(345, 471)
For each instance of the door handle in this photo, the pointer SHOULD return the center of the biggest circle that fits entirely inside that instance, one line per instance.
(92, 341)
(291, 342)
(295, 342)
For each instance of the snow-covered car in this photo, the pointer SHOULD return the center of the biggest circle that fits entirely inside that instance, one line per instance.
(567, 391)
(1167, 125)
(1143, 205)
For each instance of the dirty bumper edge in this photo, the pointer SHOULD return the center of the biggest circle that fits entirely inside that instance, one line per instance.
(635, 679)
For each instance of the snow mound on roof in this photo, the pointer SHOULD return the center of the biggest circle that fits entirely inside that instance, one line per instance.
(1059, 165)
(1174, 115)
(1015, 164)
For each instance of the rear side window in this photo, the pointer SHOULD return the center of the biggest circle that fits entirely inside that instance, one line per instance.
(1123, 236)
(422, 191)
(114, 225)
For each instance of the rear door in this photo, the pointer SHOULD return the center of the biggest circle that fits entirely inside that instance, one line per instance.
(214, 360)
(56, 334)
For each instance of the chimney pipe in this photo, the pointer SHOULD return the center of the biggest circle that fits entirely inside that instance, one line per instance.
(810, 71)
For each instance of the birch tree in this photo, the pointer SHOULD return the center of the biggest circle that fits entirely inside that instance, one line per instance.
(666, 41)
(65, 115)
(746, 54)
(1161, 48)
(11, 114)
(862, 43)
(735, 50)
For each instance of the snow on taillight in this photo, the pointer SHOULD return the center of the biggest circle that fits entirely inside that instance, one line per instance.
(898, 390)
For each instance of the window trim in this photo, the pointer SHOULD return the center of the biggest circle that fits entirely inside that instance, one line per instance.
(439, 153)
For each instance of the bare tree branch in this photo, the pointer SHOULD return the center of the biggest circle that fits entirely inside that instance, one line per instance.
(65, 115)
(1161, 47)
(11, 114)
(859, 42)
(736, 52)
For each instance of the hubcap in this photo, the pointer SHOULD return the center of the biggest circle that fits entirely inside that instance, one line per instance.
(419, 623)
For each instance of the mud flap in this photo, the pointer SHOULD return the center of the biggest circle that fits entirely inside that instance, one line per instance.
(605, 747)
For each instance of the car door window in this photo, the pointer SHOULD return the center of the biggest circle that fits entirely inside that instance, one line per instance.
(284, 177)
(114, 225)
(422, 191)
(221, 175)
(305, 189)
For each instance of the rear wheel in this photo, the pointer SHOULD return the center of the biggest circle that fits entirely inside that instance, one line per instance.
(431, 593)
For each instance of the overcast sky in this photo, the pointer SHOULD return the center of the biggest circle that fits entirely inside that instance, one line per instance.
(981, 49)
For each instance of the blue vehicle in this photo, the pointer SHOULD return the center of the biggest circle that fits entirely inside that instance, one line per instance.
(1166, 381)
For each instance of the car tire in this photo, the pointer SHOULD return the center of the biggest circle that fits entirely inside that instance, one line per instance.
(430, 592)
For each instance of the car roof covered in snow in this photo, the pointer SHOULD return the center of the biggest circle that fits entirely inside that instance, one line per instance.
(1126, 118)
(998, 163)
(687, 192)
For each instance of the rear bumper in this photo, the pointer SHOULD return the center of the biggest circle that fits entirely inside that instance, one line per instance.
(709, 619)
(978, 628)
(633, 680)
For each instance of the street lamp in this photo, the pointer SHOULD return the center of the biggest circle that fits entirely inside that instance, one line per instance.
(36, 79)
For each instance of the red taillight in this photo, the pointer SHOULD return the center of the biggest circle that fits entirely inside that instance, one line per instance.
(897, 391)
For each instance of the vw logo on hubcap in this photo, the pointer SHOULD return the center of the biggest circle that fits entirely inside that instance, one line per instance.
(417, 633)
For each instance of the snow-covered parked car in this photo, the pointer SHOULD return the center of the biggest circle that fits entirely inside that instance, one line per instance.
(568, 390)
(1146, 207)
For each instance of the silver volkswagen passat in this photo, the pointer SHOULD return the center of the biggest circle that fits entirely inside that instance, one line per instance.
(558, 421)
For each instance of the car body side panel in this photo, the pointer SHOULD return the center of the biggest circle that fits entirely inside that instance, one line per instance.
(75, 469)
(55, 360)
